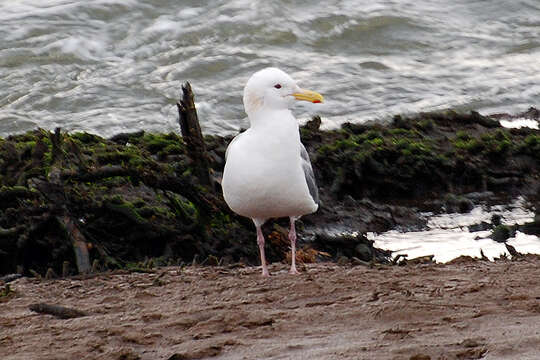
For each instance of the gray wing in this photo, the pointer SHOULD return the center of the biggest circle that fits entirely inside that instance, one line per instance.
(308, 173)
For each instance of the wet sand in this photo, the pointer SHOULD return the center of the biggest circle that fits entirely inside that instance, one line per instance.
(462, 310)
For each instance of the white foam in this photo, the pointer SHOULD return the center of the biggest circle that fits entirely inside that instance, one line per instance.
(162, 24)
(448, 237)
(83, 48)
(519, 123)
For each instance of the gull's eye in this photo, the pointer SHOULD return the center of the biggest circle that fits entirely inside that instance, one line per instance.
(277, 86)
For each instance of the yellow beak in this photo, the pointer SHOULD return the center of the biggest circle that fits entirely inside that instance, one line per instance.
(308, 95)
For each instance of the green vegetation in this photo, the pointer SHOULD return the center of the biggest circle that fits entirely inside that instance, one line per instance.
(132, 197)
(135, 196)
(428, 154)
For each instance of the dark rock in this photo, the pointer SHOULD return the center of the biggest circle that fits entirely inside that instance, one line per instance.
(212, 261)
(479, 196)
(496, 219)
(501, 233)
(512, 250)
(483, 226)
(533, 227)
(457, 204)
(428, 259)
(314, 124)
(349, 246)
(363, 252)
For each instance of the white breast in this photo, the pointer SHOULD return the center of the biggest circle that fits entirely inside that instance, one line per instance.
(263, 176)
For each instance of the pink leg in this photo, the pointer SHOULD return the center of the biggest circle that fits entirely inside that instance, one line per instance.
(260, 241)
(292, 238)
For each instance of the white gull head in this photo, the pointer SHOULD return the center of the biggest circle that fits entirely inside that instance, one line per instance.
(273, 89)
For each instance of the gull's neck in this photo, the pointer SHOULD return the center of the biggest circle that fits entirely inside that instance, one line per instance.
(266, 119)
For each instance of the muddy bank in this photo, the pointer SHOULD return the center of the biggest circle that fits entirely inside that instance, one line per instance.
(462, 310)
(72, 202)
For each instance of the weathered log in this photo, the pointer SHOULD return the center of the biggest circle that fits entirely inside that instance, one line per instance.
(15, 193)
(58, 311)
(9, 278)
(192, 135)
(9, 232)
(79, 244)
(55, 192)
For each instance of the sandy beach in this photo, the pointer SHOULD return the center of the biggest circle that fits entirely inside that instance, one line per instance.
(462, 310)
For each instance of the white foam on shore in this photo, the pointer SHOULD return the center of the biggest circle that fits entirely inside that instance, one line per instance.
(448, 236)
(519, 123)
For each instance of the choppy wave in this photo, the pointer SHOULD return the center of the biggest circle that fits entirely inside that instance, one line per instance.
(116, 65)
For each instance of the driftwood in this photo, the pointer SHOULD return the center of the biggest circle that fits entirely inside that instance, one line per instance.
(192, 135)
(58, 311)
(9, 278)
(9, 232)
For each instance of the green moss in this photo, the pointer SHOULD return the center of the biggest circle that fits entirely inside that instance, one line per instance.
(14, 192)
(462, 135)
(118, 157)
(183, 208)
(114, 181)
(532, 140)
(471, 145)
(220, 220)
(420, 148)
(425, 125)
(501, 233)
(149, 212)
(399, 132)
(158, 143)
(24, 145)
(117, 204)
(530, 146)
(138, 162)
(370, 135)
(6, 291)
(497, 144)
(377, 142)
(87, 138)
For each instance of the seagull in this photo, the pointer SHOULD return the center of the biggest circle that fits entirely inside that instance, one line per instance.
(267, 172)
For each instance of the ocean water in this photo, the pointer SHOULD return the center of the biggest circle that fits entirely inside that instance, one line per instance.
(107, 66)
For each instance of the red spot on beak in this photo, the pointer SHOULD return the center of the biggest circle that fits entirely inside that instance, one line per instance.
(316, 101)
